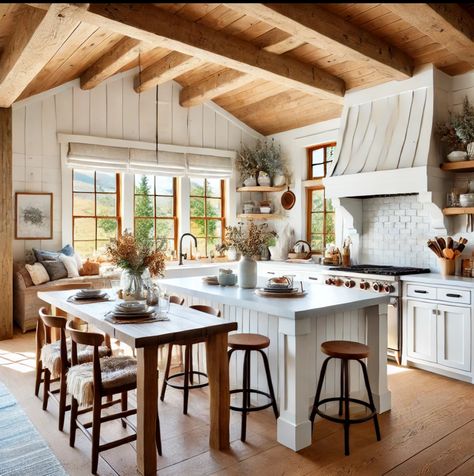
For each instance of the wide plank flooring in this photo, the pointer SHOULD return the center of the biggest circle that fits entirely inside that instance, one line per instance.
(430, 431)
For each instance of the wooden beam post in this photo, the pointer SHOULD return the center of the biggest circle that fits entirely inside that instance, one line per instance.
(6, 224)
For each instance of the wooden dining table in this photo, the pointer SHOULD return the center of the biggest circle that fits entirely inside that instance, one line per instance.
(184, 323)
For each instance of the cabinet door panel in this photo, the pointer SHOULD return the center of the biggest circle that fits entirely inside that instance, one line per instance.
(454, 337)
(421, 331)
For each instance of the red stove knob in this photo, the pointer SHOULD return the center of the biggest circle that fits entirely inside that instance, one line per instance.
(329, 281)
(349, 283)
(377, 287)
(364, 285)
(388, 288)
(338, 282)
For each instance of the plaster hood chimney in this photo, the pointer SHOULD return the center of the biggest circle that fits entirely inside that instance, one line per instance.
(386, 144)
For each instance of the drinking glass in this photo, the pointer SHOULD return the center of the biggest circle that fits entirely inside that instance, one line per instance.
(115, 284)
(163, 305)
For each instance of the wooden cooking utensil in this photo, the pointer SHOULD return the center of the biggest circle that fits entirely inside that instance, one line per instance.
(441, 242)
(434, 248)
(449, 243)
(448, 253)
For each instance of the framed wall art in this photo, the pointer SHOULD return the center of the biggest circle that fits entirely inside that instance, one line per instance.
(33, 216)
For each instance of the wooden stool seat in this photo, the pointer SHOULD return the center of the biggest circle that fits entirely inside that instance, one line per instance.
(345, 349)
(248, 341)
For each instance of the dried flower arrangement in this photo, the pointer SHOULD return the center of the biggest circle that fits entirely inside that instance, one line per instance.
(458, 132)
(250, 239)
(265, 157)
(135, 256)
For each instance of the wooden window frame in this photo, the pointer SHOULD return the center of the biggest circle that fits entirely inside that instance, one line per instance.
(96, 217)
(318, 185)
(309, 154)
(154, 217)
(222, 218)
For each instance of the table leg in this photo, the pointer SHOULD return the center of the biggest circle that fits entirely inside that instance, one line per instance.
(377, 360)
(147, 409)
(219, 397)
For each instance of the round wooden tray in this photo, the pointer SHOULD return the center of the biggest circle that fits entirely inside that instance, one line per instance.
(261, 292)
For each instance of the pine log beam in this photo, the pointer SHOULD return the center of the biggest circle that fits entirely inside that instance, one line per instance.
(6, 224)
(171, 66)
(33, 44)
(313, 24)
(445, 23)
(148, 23)
(125, 51)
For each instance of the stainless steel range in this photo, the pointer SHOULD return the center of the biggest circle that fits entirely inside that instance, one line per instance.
(378, 279)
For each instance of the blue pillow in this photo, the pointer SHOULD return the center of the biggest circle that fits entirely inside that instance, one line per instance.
(45, 255)
(67, 250)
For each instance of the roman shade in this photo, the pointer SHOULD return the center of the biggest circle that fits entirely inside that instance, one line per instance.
(143, 161)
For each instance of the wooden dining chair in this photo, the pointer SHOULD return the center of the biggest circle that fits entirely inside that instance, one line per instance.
(176, 300)
(189, 372)
(103, 377)
(53, 358)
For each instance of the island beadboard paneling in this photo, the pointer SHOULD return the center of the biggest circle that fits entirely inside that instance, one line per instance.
(115, 110)
(349, 325)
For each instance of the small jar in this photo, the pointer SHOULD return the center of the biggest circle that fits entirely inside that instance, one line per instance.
(467, 272)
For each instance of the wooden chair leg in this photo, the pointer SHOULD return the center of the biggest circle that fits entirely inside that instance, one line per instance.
(73, 425)
(158, 436)
(167, 372)
(62, 401)
(124, 405)
(46, 385)
(96, 412)
(39, 371)
(187, 361)
(191, 379)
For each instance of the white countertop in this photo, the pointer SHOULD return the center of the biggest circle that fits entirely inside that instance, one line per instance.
(436, 278)
(320, 299)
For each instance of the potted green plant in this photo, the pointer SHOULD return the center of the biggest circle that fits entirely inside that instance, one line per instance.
(247, 166)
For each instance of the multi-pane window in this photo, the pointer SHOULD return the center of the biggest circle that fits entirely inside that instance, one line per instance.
(320, 212)
(207, 212)
(155, 210)
(96, 205)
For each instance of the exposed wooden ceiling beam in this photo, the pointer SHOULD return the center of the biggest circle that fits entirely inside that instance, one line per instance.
(148, 23)
(33, 44)
(445, 23)
(125, 51)
(216, 85)
(166, 69)
(274, 41)
(314, 25)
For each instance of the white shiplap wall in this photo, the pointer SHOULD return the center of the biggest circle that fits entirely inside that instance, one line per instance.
(113, 110)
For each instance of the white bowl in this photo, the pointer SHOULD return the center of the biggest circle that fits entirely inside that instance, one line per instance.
(466, 199)
(265, 209)
(456, 156)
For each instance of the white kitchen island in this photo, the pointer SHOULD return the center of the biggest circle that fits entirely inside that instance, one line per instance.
(296, 328)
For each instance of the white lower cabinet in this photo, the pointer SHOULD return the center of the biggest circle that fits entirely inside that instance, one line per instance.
(439, 333)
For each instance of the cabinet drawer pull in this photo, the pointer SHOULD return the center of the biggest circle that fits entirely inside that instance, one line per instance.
(313, 279)
(270, 272)
(453, 295)
(420, 291)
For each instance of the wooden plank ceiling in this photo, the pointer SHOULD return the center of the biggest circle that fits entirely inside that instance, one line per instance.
(274, 66)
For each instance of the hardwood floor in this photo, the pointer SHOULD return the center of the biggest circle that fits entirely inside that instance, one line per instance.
(430, 431)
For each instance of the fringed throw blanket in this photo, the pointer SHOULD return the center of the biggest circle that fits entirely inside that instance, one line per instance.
(51, 355)
(116, 371)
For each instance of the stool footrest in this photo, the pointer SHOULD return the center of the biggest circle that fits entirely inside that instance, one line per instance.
(345, 420)
(252, 409)
(190, 386)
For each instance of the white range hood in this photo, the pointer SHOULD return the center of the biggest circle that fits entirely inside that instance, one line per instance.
(386, 144)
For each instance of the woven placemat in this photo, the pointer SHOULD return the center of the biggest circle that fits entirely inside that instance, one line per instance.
(72, 299)
(140, 320)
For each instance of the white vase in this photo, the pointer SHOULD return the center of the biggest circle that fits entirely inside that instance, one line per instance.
(279, 180)
(264, 179)
(247, 272)
(470, 150)
(250, 182)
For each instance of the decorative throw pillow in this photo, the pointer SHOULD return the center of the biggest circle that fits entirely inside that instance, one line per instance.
(55, 269)
(90, 268)
(70, 264)
(38, 273)
(67, 250)
(78, 259)
(45, 255)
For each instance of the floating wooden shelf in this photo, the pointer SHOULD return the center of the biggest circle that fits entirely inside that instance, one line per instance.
(462, 166)
(458, 211)
(259, 188)
(259, 216)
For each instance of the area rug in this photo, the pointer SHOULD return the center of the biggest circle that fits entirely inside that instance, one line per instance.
(23, 452)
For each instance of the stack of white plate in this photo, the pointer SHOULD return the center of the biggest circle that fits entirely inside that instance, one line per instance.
(132, 310)
(90, 294)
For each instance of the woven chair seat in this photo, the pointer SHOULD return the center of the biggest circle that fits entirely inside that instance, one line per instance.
(115, 372)
(51, 355)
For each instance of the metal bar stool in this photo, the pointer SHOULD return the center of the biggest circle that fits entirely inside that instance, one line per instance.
(249, 343)
(189, 372)
(346, 351)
